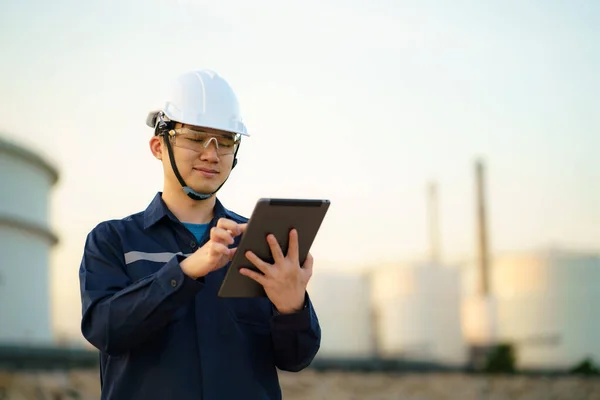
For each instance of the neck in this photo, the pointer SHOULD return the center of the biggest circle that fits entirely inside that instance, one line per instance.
(189, 210)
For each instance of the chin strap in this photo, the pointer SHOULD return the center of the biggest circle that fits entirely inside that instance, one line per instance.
(162, 129)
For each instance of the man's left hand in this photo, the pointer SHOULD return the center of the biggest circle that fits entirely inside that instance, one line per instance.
(285, 280)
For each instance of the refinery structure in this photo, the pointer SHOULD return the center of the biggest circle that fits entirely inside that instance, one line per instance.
(541, 303)
(26, 240)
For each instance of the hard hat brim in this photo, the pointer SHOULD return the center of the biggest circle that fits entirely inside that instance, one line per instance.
(151, 122)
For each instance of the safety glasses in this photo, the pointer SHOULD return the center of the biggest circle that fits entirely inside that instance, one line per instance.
(197, 140)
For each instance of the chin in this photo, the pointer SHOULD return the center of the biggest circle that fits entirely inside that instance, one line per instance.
(204, 188)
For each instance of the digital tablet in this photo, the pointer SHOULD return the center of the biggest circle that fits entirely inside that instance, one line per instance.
(276, 216)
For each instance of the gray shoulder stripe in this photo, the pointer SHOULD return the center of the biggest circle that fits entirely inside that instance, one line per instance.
(133, 256)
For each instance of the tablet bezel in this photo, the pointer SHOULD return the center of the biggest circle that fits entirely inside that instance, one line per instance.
(277, 216)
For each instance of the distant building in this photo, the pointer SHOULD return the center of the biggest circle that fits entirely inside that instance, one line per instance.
(417, 310)
(544, 303)
(405, 311)
(342, 302)
(26, 240)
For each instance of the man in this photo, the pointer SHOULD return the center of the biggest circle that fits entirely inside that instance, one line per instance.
(149, 281)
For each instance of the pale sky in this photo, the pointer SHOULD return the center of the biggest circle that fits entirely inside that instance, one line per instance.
(362, 103)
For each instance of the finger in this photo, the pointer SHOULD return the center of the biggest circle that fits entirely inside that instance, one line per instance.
(221, 235)
(308, 264)
(241, 228)
(253, 275)
(229, 225)
(293, 247)
(275, 249)
(218, 249)
(258, 263)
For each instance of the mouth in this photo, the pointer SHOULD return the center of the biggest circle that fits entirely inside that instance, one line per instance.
(207, 171)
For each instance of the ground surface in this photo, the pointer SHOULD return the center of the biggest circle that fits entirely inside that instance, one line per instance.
(83, 385)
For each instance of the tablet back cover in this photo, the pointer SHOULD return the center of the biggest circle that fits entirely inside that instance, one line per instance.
(276, 216)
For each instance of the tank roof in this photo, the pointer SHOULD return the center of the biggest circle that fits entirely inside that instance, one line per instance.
(11, 147)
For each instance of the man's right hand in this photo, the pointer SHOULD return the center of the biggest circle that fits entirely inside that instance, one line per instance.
(215, 253)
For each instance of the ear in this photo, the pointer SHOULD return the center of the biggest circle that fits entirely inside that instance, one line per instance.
(156, 147)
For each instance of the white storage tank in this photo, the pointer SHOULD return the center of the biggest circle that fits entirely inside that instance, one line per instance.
(479, 312)
(547, 305)
(341, 300)
(25, 243)
(417, 313)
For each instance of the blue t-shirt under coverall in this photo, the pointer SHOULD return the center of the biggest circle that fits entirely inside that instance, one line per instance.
(162, 335)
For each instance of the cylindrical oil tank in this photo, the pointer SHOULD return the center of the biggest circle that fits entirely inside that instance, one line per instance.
(547, 305)
(479, 310)
(418, 313)
(26, 240)
(341, 300)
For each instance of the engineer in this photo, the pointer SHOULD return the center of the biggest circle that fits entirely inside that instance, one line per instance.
(149, 281)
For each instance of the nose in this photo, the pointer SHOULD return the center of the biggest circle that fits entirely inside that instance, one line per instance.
(210, 152)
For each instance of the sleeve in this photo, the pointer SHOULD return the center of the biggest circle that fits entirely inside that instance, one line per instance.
(296, 338)
(117, 313)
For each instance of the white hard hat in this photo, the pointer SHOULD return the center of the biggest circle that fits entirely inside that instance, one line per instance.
(201, 98)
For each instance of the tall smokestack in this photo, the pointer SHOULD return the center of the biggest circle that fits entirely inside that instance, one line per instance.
(482, 236)
(434, 229)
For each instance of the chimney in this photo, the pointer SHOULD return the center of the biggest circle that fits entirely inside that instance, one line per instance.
(482, 236)
(434, 229)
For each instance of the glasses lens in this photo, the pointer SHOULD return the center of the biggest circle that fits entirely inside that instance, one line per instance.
(199, 141)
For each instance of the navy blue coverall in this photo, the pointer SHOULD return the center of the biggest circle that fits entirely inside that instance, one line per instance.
(162, 335)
